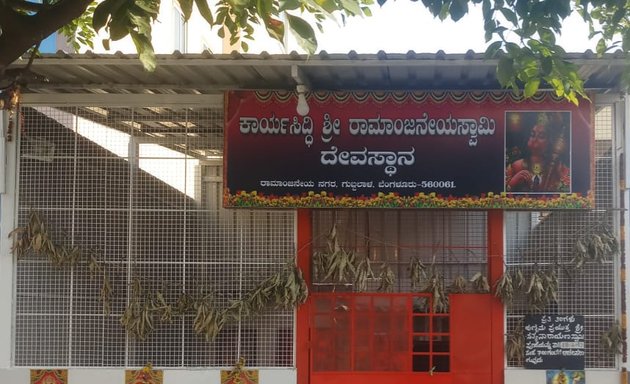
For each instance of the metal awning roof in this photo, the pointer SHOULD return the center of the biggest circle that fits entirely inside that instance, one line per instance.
(206, 73)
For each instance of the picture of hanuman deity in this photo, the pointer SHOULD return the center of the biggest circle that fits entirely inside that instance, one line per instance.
(537, 152)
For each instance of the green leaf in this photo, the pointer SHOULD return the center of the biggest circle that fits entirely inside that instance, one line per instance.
(119, 28)
(204, 10)
(288, 5)
(275, 29)
(487, 10)
(625, 45)
(351, 6)
(513, 49)
(145, 50)
(186, 6)
(264, 8)
(330, 6)
(509, 16)
(493, 50)
(150, 6)
(303, 32)
(142, 23)
(601, 46)
(458, 9)
(505, 70)
(435, 6)
(531, 87)
(546, 65)
(103, 11)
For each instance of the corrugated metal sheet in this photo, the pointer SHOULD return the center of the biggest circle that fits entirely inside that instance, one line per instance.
(206, 73)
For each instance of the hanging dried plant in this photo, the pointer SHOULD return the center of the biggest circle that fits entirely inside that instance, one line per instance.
(480, 283)
(418, 273)
(35, 238)
(542, 289)
(387, 278)
(612, 339)
(335, 263)
(138, 317)
(504, 288)
(459, 285)
(209, 320)
(435, 286)
(362, 273)
(595, 243)
(515, 344)
(518, 280)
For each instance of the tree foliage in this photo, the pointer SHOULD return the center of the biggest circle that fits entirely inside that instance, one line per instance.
(521, 34)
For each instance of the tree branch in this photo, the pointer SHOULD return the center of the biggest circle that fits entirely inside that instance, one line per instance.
(22, 5)
(21, 32)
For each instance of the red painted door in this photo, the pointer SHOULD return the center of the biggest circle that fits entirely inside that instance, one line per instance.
(397, 338)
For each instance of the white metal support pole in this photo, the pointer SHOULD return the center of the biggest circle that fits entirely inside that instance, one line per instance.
(624, 139)
(4, 125)
(8, 206)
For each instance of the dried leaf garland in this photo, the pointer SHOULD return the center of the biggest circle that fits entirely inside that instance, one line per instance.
(209, 320)
(387, 278)
(612, 339)
(418, 273)
(362, 273)
(480, 283)
(504, 288)
(459, 285)
(335, 264)
(35, 238)
(596, 243)
(515, 344)
(138, 317)
(542, 289)
(435, 286)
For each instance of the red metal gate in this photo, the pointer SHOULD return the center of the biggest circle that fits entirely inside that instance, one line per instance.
(397, 338)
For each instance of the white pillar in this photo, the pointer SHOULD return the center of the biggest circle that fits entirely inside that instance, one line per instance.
(8, 205)
(624, 140)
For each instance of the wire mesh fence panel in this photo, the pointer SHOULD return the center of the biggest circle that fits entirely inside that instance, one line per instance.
(448, 244)
(137, 192)
(548, 242)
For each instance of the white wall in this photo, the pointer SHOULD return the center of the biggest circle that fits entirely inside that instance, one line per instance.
(535, 376)
(7, 224)
(111, 376)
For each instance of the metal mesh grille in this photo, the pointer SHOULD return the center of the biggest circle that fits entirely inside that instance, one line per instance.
(453, 241)
(141, 188)
(544, 241)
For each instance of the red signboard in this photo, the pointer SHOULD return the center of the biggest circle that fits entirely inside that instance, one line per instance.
(407, 150)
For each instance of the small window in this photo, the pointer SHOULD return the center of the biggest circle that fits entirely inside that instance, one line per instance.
(180, 30)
